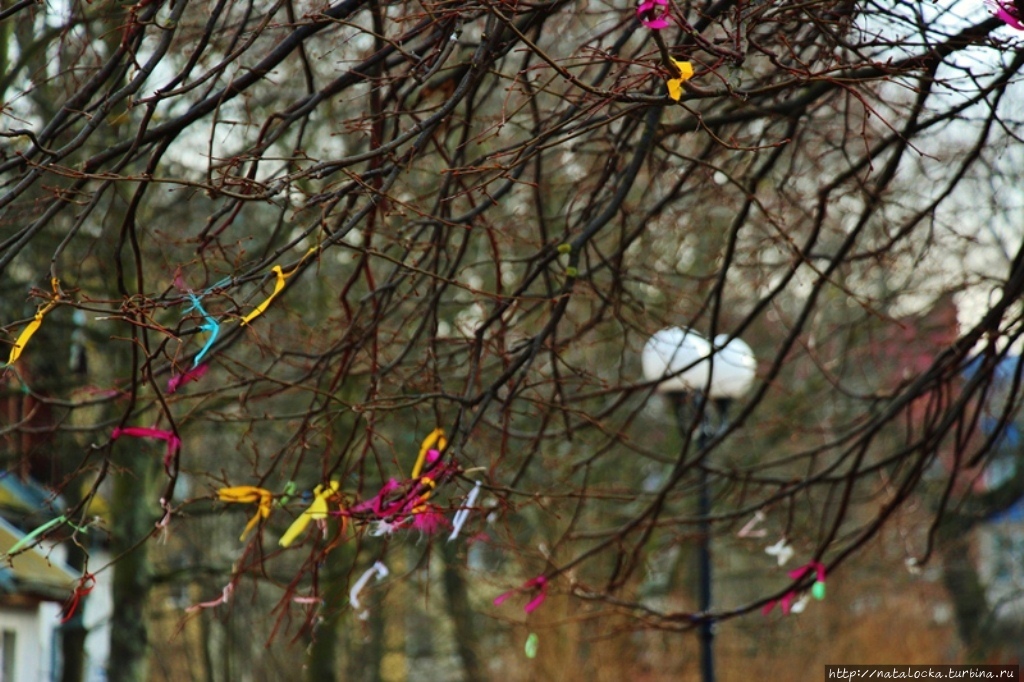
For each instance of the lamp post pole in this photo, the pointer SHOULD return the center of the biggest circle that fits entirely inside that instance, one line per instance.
(707, 629)
(681, 402)
(692, 372)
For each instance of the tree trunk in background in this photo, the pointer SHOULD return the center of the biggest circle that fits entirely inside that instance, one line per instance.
(73, 633)
(981, 633)
(132, 520)
(323, 664)
(376, 647)
(209, 668)
(466, 640)
(968, 595)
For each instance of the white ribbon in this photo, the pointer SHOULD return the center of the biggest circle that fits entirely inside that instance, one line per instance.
(463, 513)
(378, 569)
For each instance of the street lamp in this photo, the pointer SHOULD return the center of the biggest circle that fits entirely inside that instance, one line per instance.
(690, 369)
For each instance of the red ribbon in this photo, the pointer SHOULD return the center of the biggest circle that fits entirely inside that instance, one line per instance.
(76, 597)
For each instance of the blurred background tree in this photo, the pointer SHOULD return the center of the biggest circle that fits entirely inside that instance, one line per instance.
(472, 216)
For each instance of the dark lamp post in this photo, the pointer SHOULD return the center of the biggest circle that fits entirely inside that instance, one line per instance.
(690, 369)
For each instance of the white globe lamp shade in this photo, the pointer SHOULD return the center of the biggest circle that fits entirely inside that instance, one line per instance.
(733, 367)
(669, 351)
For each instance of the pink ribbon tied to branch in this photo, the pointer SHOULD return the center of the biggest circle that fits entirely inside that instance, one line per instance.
(647, 8)
(194, 374)
(786, 603)
(538, 584)
(400, 503)
(173, 442)
(1008, 11)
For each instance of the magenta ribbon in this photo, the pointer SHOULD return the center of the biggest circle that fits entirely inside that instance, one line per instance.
(1007, 11)
(378, 505)
(194, 374)
(429, 520)
(786, 602)
(816, 566)
(173, 442)
(405, 505)
(540, 584)
(658, 22)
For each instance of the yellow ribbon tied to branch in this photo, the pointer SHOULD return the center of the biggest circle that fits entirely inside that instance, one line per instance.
(34, 325)
(248, 494)
(278, 287)
(317, 510)
(432, 447)
(675, 85)
(434, 441)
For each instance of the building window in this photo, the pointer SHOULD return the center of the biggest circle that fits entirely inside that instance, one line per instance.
(7, 643)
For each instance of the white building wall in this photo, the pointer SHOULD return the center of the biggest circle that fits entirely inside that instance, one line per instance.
(37, 631)
(32, 650)
(98, 609)
(49, 636)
